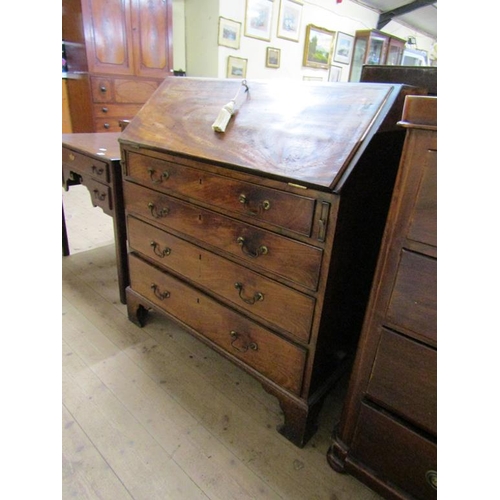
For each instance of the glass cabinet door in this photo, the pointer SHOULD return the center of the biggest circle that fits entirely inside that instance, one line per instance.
(377, 50)
(395, 52)
(358, 59)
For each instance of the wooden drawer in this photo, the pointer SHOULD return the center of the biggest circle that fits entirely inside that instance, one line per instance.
(85, 164)
(258, 348)
(102, 89)
(116, 110)
(286, 210)
(100, 194)
(407, 460)
(413, 303)
(133, 91)
(110, 124)
(404, 380)
(284, 307)
(423, 220)
(290, 259)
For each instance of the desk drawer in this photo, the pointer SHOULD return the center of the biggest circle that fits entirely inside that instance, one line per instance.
(413, 303)
(398, 454)
(404, 380)
(258, 348)
(84, 164)
(100, 194)
(287, 309)
(290, 259)
(116, 110)
(286, 210)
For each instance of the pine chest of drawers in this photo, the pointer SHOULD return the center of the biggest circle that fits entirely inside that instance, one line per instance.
(262, 240)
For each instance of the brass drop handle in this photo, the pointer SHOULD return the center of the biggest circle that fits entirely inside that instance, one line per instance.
(161, 253)
(432, 478)
(243, 347)
(163, 177)
(264, 205)
(257, 297)
(97, 170)
(262, 250)
(99, 196)
(158, 293)
(157, 214)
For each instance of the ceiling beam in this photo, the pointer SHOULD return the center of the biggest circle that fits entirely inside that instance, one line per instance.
(385, 17)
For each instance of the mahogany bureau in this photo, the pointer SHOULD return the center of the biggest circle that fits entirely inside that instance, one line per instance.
(93, 160)
(387, 436)
(262, 240)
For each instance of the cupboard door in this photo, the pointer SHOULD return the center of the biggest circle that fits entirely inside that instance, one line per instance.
(108, 36)
(152, 37)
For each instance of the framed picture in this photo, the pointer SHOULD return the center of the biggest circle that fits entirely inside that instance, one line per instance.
(334, 74)
(258, 19)
(318, 47)
(343, 48)
(229, 33)
(236, 67)
(290, 15)
(273, 57)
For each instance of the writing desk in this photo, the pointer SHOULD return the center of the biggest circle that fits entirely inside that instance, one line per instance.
(93, 159)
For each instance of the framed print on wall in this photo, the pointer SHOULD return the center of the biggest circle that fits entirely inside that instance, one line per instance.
(273, 57)
(229, 33)
(318, 47)
(236, 67)
(289, 18)
(343, 48)
(258, 19)
(334, 74)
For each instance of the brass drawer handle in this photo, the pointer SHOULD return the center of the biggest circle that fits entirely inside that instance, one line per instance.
(432, 478)
(265, 205)
(97, 170)
(161, 253)
(244, 346)
(163, 177)
(99, 196)
(158, 293)
(157, 214)
(262, 250)
(257, 297)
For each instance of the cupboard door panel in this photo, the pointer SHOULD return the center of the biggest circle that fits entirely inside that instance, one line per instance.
(108, 36)
(152, 28)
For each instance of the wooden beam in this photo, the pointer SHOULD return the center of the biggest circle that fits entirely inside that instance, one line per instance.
(385, 17)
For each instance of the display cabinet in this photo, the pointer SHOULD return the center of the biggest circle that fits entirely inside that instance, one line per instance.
(375, 47)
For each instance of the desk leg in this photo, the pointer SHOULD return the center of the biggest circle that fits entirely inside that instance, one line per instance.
(65, 244)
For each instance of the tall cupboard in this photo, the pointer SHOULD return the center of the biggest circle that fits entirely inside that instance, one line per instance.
(118, 52)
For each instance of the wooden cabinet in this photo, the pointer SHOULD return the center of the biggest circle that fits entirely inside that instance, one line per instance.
(262, 241)
(120, 51)
(375, 47)
(387, 434)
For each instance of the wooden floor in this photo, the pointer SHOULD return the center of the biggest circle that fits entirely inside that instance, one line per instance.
(153, 413)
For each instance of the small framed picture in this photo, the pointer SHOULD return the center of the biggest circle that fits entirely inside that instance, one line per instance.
(318, 47)
(343, 48)
(236, 67)
(273, 57)
(289, 18)
(258, 19)
(229, 33)
(334, 74)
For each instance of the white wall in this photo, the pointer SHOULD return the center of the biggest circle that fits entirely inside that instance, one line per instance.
(204, 57)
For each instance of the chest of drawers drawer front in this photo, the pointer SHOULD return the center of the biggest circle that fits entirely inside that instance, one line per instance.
(85, 164)
(100, 194)
(289, 310)
(413, 304)
(413, 393)
(116, 110)
(411, 461)
(293, 260)
(274, 357)
(286, 210)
